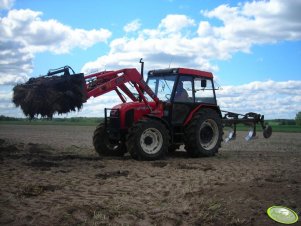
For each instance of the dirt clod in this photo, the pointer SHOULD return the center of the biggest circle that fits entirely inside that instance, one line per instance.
(113, 174)
(35, 190)
(159, 164)
(40, 163)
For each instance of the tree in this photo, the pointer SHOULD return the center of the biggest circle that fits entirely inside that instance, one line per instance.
(298, 118)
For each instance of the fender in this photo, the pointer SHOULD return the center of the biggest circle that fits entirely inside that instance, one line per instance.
(159, 119)
(199, 107)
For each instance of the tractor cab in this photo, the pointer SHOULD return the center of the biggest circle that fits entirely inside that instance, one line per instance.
(182, 85)
(182, 90)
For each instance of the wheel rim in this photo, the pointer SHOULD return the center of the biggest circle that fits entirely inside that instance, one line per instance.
(208, 134)
(151, 141)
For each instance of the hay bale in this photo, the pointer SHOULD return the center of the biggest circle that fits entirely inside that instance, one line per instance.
(46, 96)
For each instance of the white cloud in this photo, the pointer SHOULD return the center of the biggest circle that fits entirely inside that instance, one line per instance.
(132, 26)
(258, 22)
(271, 98)
(15, 63)
(168, 44)
(178, 41)
(27, 27)
(6, 96)
(24, 33)
(6, 4)
(175, 23)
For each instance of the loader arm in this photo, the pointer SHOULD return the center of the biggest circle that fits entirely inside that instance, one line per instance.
(105, 82)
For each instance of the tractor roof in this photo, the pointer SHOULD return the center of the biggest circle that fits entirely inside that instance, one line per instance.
(184, 71)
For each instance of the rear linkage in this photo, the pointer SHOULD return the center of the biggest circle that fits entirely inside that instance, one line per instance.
(250, 119)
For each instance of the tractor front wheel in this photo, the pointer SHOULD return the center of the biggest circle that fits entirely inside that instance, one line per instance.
(203, 135)
(104, 146)
(148, 139)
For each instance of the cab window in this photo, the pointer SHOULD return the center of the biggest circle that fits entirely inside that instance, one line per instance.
(183, 92)
(204, 91)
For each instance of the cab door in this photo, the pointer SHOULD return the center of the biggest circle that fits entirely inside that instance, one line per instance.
(198, 91)
(183, 100)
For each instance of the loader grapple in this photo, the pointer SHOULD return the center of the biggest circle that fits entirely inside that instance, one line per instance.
(50, 94)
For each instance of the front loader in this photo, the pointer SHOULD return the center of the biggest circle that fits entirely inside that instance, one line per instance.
(174, 106)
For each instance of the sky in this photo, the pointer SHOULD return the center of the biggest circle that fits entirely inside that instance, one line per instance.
(253, 48)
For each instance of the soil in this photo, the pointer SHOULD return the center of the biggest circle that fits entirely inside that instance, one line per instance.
(50, 175)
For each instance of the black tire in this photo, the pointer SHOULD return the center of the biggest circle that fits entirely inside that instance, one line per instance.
(173, 147)
(104, 146)
(203, 135)
(148, 139)
(267, 132)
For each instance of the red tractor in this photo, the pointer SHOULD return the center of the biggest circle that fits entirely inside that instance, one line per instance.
(174, 106)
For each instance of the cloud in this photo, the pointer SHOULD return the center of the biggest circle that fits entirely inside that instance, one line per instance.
(168, 44)
(175, 23)
(6, 96)
(177, 41)
(132, 26)
(24, 33)
(15, 63)
(256, 22)
(271, 98)
(27, 27)
(178, 37)
(6, 4)
(6, 105)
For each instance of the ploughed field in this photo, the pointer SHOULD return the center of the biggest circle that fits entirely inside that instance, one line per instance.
(50, 175)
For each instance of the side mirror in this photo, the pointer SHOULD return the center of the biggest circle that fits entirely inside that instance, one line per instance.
(204, 83)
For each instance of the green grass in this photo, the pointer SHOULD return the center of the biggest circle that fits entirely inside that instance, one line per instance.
(81, 121)
(275, 128)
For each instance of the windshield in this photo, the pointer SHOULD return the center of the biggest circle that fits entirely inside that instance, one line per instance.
(162, 86)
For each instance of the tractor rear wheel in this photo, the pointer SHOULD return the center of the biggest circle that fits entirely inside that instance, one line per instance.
(148, 139)
(104, 146)
(203, 135)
